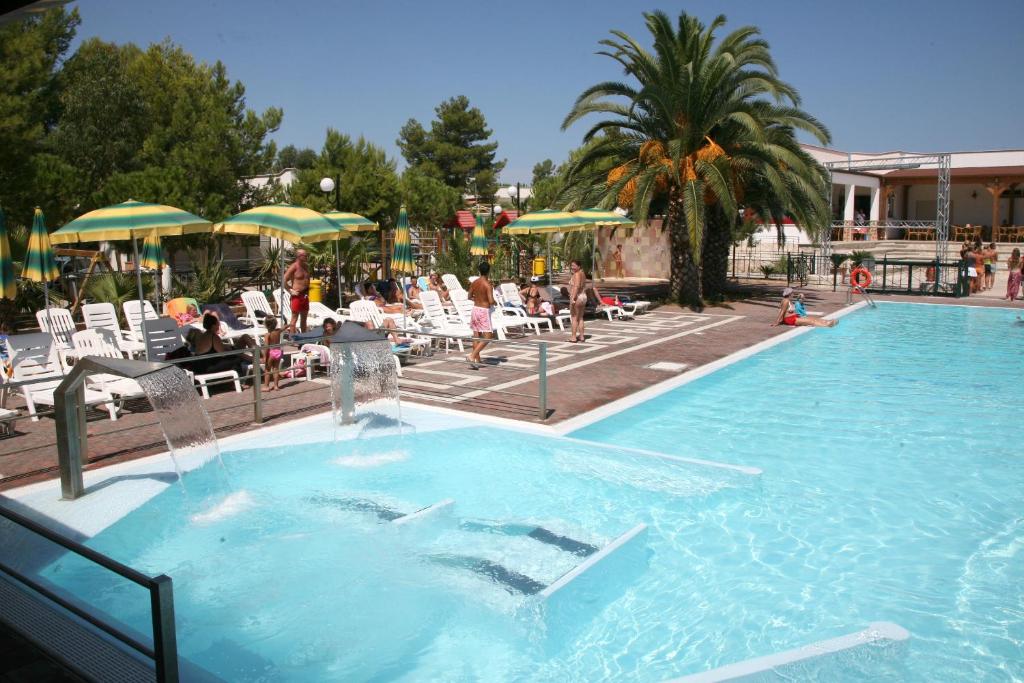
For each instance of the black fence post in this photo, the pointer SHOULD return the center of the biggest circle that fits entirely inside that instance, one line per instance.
(789, 268)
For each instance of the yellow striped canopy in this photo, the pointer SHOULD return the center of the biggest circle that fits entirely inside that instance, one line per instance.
(352, 222)
(547, 221)
(8, 286)
(40, 265)
(128, 220)
(293, 224)
(401, 255)
(602, 218)
(152, 252)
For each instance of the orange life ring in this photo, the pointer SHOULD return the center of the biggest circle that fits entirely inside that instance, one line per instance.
(856, 280)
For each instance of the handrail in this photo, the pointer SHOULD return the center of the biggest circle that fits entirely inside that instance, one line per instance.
(164, 652)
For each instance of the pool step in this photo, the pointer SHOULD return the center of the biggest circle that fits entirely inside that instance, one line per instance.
(385, 513)
(538, 533)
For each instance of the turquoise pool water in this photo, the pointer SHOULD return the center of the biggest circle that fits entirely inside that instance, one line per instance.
(891, 490)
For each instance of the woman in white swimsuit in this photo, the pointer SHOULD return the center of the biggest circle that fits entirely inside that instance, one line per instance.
(577, 301)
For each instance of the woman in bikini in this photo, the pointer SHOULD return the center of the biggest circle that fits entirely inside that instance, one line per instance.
(531, 296)
(1013, 277)
(788, 314)
(577, 301)
(272, 356)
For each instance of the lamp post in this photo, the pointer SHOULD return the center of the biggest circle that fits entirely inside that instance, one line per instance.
(327, 185)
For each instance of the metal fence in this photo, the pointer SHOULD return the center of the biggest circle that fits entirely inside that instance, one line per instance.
(163, 652)
(888, 276)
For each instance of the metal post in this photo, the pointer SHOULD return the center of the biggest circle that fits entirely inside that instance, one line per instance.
(165, 641)
(257, 386)
(142, 301)
(942, 211)
(885, 272)
(71, 441)
(337, 262)
(542, 380)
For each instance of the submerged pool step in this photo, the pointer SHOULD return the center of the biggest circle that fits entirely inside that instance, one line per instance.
(538, 533)
(356, 505)
(510, 580)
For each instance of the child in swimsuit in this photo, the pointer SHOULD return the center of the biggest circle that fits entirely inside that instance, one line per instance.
(272, 356)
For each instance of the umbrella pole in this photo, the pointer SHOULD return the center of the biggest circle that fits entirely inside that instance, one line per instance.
(337, 263)
(593, 254)
(142, 304)
(551, 270)
(280, 267)
(46, 303)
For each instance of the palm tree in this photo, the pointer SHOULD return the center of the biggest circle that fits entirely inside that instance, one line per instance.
(702, 127)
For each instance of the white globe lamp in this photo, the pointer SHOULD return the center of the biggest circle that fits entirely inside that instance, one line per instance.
(327, 185)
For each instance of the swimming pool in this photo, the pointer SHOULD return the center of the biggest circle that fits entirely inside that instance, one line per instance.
(890, 491)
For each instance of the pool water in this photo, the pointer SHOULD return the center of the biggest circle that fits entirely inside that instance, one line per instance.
(891, 490)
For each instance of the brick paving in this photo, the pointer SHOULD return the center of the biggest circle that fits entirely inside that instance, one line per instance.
(581, 377)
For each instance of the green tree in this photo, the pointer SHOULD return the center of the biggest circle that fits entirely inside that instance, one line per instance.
(292, 157)
(31, 51)
(369, 180)
(699, 123)
(455, 149)
(430, 202)
(543, 171)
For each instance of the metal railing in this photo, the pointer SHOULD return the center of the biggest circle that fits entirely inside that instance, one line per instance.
(164, 651)
(889, 276)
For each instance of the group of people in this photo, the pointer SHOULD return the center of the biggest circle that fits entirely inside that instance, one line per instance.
(981, 264)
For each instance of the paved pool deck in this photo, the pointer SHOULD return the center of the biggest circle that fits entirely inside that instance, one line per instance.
(614, 363)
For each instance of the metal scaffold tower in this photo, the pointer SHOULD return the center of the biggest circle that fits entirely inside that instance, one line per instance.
(892, 163)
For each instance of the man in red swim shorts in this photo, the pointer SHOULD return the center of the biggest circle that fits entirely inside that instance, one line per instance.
(296, 279)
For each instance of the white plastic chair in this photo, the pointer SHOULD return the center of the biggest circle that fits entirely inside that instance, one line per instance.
(90, 343)
(452, 283)
(317, 311)
(63, 325)
(510, 293)
(257, 308)
(441, 323)
(134, 312)
(35, 358)
(367, 311)
(103, 319)
(501, 324)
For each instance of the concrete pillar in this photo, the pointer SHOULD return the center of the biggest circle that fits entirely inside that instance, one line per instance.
(848, 212)
(876, 196)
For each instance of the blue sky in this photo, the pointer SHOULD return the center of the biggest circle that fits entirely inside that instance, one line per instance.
(914, 75)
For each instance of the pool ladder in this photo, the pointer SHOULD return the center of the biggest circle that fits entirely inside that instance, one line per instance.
(863, 292)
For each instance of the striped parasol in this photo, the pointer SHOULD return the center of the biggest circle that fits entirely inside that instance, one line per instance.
(40, 265)
(129, 220)
(478, 245)
(401, 255)
(8, 287)
(293, 224)
(602, 218)
(152, 252)
(547, 221)
(352, 222)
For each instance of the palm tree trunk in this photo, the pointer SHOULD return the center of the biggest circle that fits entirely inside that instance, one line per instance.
(717, 241)
(684, 279)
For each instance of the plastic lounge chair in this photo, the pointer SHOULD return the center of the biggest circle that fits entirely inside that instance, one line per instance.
(514, 302)
(231, 327)
(133, 313)
(35, 358)
(611, 310)
(257, 308)
(452, 283)
(367, 311)
(165, 336)
(501, 324)
(103, 319)
(423, 283)
(90, 343)
(441, 323)
(63, 325)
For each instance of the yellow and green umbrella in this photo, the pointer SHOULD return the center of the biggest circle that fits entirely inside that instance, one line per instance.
(602, 218)
(8, 286)
(152, 252)
(478, 244)
(401, 255)
(352, 222)
(286, 222)
(547, 221)
(130, 220)
(40, 265)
